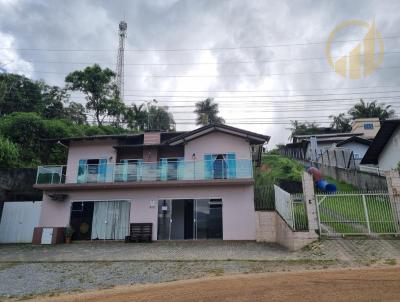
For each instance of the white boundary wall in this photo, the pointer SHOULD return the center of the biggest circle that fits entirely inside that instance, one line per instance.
(18, 220)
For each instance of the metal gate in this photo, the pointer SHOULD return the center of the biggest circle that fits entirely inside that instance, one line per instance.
(356, 213)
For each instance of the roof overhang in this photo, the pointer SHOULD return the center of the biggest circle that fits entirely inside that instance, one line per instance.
(356, 139)
(253, 137)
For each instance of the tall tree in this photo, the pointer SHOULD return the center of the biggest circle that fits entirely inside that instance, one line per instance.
(100, 89)
(75, 112)
(340, 123)
(372, 109)
(18, 93)
(140, 118)
(160, 119)
(52, 103)
(207, 112)
(136, 117)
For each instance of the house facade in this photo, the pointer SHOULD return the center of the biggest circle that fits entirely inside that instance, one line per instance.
(188, 185)
(369, 127)
(357, 145)
(384, 152)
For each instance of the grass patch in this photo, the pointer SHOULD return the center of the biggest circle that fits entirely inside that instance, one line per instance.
(346, 213)
(390, 262)
(274, 169)
(279, 167)
(341, 185)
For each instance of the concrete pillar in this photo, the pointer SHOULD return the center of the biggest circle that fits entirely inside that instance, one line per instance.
(310, 201)
(393, 184)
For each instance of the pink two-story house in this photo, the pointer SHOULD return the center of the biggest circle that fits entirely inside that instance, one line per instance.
(189, 185)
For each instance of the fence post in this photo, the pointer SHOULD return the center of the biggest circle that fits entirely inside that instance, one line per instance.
(393, 184)
(310, 201)
(366, 213)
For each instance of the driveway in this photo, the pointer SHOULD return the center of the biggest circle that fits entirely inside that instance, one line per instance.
(27, 271)
(347, 250)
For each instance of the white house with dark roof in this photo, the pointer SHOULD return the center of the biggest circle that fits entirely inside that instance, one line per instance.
(384, 152)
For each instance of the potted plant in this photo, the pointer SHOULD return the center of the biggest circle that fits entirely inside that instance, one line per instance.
(68, 234)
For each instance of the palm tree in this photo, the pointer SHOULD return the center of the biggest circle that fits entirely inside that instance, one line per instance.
(207, 112)
(373, 109)
(136, 117)
(341, 122)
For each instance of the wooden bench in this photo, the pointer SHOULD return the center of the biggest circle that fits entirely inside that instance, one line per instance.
(140, 232)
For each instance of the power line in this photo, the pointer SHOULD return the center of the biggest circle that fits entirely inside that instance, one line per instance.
(193, 63)
(306, 101)
(216, 75)
(260, 96)
(192, 49)
(271, 90)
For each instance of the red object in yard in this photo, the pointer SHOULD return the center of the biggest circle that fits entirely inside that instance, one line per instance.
(317, 175)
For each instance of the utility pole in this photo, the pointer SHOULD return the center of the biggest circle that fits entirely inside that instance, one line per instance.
(123, 26)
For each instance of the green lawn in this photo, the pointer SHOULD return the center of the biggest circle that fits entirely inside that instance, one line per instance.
(342, 214)
(341, 185)
(346, 214)
(300, 216)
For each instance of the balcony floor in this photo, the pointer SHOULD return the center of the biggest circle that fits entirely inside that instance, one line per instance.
(144, 184)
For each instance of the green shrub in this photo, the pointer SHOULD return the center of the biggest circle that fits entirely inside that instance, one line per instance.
(9, 153)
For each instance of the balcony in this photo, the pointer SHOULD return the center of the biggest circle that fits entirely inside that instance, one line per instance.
(148, 172)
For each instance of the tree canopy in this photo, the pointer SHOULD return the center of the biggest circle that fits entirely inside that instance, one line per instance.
(341, 123)
(362, 109)
(372, 109)
(299, 128)
(31, 112)
(207, 112)
(101, 92)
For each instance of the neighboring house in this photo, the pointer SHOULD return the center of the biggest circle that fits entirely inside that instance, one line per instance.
(312, 146)
(384, 152)
(189, 185)
(357, 145)
(369, 127)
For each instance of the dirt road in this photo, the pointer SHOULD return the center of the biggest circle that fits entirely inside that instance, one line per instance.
(381, 284)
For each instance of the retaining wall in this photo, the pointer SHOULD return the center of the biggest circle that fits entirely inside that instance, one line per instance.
(270, 227)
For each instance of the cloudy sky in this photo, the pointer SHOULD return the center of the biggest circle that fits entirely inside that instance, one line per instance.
(263, 61)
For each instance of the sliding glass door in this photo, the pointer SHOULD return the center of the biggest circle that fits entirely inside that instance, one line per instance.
(180, 219)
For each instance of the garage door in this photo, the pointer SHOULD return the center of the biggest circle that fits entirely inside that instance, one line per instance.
(18, 221)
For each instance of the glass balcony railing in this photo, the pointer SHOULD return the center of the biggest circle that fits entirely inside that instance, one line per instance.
(177, 170)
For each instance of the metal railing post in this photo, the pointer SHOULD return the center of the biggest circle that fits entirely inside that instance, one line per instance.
(366, 213)
(317, 203)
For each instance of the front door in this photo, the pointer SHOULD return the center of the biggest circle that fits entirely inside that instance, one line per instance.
(180, 219)
(81, 220)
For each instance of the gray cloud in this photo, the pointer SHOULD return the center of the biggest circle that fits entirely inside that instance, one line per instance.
(201, 24)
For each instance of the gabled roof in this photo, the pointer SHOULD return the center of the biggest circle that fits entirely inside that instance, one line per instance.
(164, 136)
(382, 137)
(329, 135)
(173, 138)
(355, 139)
(253, 137)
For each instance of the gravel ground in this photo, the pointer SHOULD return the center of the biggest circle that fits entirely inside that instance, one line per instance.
(200, 250)
(27, 270)
(24, 280)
